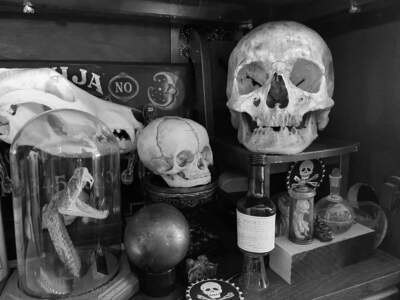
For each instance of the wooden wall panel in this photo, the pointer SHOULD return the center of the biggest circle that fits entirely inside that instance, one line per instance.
(38, 39)
(367, 95)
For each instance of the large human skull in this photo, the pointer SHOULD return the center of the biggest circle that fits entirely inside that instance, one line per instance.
(178, 149)
(279, 88)
(211, 289)
(25, 93)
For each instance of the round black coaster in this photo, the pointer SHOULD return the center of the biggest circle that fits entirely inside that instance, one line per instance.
(213, 289)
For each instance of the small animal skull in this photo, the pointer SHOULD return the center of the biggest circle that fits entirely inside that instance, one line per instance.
(306, 169)
(279, 87)
(178, 149)
(25, 93)
(211, 289)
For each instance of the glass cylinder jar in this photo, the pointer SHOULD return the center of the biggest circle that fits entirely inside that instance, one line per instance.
(66, 198)
(301, 218)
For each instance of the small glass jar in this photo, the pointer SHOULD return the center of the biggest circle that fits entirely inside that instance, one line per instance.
(333, 209)
(301, 218)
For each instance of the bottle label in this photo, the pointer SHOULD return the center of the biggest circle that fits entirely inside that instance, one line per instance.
(255, 234)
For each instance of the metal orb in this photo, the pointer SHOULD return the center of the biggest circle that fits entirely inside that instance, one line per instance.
(157, 238)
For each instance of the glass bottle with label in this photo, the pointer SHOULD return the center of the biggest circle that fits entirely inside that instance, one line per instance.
(255, 229)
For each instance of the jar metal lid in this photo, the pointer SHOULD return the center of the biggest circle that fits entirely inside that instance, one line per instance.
(302, 192)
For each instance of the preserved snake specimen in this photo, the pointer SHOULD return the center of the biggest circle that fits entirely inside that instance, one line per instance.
(64, 207)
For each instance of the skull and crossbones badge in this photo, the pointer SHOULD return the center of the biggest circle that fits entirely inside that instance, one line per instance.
(213, 289)
(306, 173)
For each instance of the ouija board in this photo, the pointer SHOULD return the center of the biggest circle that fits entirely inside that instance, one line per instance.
(167, 87)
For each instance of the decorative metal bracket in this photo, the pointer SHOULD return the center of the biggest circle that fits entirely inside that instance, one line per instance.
(200, 57)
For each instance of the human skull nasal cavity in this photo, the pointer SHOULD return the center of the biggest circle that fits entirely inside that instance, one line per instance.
(277, 93)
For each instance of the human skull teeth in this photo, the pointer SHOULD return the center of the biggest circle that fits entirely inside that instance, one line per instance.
(279, 87)
(278, 122)
(279, 119)
(272, 134)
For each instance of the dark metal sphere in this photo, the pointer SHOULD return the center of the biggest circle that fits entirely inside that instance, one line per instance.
(157, 238)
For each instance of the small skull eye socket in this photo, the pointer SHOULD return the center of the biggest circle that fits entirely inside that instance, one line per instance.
(184, 157)
(162, 165)
(251, 76)
(306, 75)
(207, 155)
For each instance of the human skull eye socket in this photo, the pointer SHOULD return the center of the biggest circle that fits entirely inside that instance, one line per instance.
(251, 77)
(206, 154)
(184, 157)
(306, 75)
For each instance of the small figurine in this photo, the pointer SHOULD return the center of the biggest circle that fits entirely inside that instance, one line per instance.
(300, 225)
(200, 269)
(301, 219)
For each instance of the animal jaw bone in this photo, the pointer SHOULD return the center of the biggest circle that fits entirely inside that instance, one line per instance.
(75, 205)
(79, 208)
(24, 93)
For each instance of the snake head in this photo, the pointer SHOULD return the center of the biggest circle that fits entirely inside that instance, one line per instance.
(75, 201)
(85, 177)
(79, 207)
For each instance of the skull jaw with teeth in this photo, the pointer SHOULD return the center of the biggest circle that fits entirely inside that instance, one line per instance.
(277, 139)
(280, 83)
(178, 150)
(25, 93)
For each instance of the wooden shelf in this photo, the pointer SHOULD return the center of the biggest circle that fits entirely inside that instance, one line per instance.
(321, 148)
(353, 282)
(219, 11)
(331, 150)
(378, 273)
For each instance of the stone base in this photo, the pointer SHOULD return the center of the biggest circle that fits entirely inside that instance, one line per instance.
(122, 287)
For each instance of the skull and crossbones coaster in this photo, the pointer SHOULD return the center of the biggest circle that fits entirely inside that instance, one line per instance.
(306, 173)
(213, 289)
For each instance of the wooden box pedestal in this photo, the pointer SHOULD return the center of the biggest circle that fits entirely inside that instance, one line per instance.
(295, 262)
(122, 287)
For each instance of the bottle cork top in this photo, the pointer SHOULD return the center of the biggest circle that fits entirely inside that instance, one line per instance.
(335, 177)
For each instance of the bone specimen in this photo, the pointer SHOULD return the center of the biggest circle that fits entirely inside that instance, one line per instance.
(178, 149)
(279, 87)
(25, 93)
(63, 208)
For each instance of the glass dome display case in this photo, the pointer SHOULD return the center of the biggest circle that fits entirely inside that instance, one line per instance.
(65, 171)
